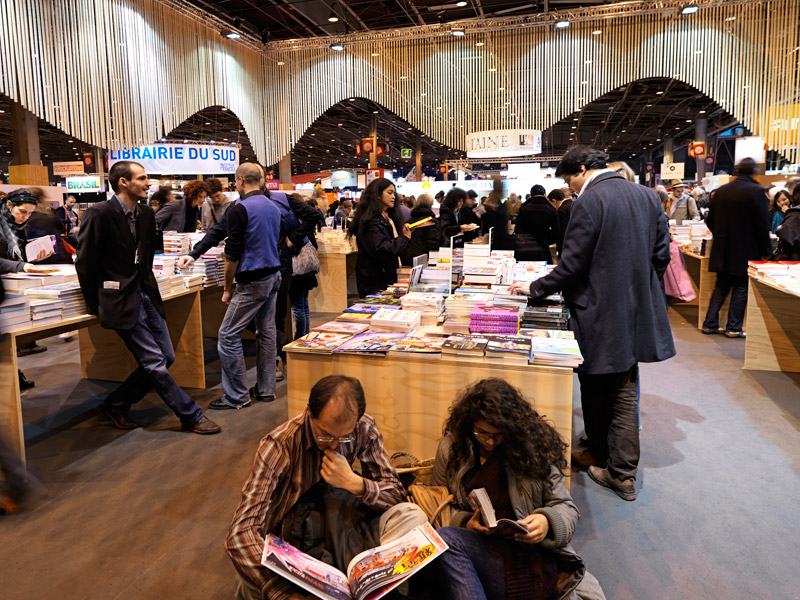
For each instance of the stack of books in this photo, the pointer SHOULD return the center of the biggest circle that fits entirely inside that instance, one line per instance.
(193, 282)
(68, 293)
(15, 313)
(429, 305)
(545, 317)
(169, 284)
(210, 266)
(465, 346)
(486, 275)
(783, 274)
(17, 283)
(387, 319)
(476, 255)
(46, 311)
(501, 320)
(342, 327)
(335, 241)
(555, 351)
(371, 342)
(504, 297)
(509, 348)
(177, 243)
(526, 271)
(165, 264)
(320, 342)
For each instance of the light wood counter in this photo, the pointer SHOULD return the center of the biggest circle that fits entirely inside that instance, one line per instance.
(337, 275)
(773, 333)
(703, 282)
(409, 396)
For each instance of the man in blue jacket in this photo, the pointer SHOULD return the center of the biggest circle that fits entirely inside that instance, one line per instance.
(251, 253)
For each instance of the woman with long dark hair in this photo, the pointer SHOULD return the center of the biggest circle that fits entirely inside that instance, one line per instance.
(496, 441)
(381, 235)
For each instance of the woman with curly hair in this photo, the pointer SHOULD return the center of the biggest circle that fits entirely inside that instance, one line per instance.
(181, 215)
(496, 441)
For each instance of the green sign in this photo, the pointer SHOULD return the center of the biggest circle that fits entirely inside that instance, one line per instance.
(405, 153)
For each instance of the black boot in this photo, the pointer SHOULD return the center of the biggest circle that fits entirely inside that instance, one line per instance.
(24, 384)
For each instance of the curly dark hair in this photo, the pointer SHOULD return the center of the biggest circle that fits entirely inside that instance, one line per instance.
(530, 444)
(195, 189)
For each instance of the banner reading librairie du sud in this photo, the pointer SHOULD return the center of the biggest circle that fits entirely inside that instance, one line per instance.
(181, 159)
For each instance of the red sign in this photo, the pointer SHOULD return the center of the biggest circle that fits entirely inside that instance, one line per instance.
(697, 149)
(649, 167)
(366, 146)
(273, 184)
(88, 160)
(710, 160)
(358, 148)
(442, 169)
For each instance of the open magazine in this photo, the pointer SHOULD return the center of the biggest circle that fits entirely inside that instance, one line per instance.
(370, 575)
(479, 500)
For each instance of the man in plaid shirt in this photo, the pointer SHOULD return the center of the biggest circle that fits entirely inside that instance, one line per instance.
(318, 445)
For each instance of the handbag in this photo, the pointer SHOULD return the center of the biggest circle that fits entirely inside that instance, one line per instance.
(677, 282)
(434, 500)
(305, 262)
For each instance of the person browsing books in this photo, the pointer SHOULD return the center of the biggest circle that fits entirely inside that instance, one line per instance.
(494, 440)
(301, 473)
(381, 235)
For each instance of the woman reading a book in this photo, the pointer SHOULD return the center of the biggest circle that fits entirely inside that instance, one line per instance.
(495, 441)
(381, 235)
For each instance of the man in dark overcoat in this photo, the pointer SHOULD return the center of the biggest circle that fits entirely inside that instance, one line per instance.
(738, 217)
(616, 250)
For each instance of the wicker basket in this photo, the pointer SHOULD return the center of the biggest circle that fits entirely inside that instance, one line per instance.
(411, 469)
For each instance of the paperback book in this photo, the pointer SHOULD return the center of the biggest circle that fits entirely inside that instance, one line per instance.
(479, 500)
(428, 345)
(510, 348)
(322, 342)
(371, 342)
(342, 327)
(470, 345)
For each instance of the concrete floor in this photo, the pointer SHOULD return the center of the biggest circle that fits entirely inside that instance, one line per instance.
(143, 514)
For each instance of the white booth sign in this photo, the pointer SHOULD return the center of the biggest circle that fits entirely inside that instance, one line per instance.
(504, 143)
(73, 167)
(343, 179)
(750, 147)
(79, 185)
(671, 171)
(181, 159)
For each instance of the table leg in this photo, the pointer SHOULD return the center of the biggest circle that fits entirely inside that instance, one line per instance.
(10, 403)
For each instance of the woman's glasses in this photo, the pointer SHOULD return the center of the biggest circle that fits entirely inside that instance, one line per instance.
(485, 436)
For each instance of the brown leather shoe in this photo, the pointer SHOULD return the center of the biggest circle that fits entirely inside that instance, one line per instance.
(204, 426)
(623, 488)
(120, 421)
(582, 460)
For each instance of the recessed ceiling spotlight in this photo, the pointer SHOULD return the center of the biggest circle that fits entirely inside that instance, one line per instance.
(702, 112)
(659, 93)
(461, 4)
(333, 18)
(689, 9)
(597, 32)
(562, 23)
(337, 47)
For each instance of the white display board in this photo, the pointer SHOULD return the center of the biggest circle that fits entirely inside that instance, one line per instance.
(750, 147)
(670, 171)
(504, 143)
(183, 159)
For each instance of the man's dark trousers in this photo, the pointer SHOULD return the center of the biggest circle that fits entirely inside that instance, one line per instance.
(610, 416)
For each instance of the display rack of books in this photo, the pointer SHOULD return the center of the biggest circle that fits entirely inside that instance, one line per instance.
(459, 309)
(15, 312)
(694, 236)
(486, 318)
(69, 294)
(773, 317)
(165, 264)
(703, 282)
(177, 243)
(429, 305)
(210, 266)
(336, 280)
(335, 241)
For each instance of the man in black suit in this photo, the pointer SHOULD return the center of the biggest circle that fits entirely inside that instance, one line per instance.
(115, 270)
(615, 253)
(738, 217)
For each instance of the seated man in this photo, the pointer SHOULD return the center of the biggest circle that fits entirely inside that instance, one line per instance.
(303, 467)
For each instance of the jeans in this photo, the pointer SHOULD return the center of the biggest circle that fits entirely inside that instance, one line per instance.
(301, 312)
(150, 345)
(281, 305)
(737, 286)
(251, 300)
(471, 569)
(611, 416)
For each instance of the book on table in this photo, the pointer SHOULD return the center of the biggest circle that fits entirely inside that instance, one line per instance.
(509, 347)
(370, 575)
(342, 327)
(479, 500)
(467, 345)
(323, 342)
(427, 345)
(371, 343)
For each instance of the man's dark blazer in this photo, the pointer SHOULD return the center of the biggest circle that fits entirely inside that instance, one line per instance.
(106, 253)
(738, 217)
(616, 250)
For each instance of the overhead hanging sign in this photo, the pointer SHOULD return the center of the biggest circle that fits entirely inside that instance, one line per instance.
(73, 167)
(672, 171)
(80, 185)
(344, 179)
(406, 152)
(504, 143)
(181, 159)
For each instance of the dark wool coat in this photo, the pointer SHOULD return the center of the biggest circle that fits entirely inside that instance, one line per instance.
(564, 212)
(423, 239)
(448, 224)
(376, 264)
(738, 216)
(537, 227)
(615, 255)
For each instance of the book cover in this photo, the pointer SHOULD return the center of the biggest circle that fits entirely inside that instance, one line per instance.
(465, 344)
(319, 341)
(342, 327)
(374, 342)
(514, 347)
(419, 345)
(479, 500)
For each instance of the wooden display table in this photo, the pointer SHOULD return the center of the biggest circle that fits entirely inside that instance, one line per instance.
(104, 356)
(703, 282)
(337, 276)
(773, 333)
(409, 396)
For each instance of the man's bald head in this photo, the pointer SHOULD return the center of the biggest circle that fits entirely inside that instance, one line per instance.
(251, 173)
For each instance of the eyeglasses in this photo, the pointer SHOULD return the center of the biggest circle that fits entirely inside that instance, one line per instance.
(327, 439)
(485, 436)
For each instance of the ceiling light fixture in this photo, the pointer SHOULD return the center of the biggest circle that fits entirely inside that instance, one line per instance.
(689, 9)
(333, 18)
(229, 33)
(597, 32)
(337, 47)
(461, 4)
(479, 44)
(562, 23)
(458, 32)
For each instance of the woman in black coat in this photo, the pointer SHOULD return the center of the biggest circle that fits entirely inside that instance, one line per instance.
(537, 227)
(424, 238)
(448, 222)
(789, 232)
(381, 235)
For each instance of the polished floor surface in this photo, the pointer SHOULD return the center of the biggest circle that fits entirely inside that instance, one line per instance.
(143, 514)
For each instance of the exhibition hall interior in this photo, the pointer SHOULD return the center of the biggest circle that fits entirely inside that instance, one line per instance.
(413, 299)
